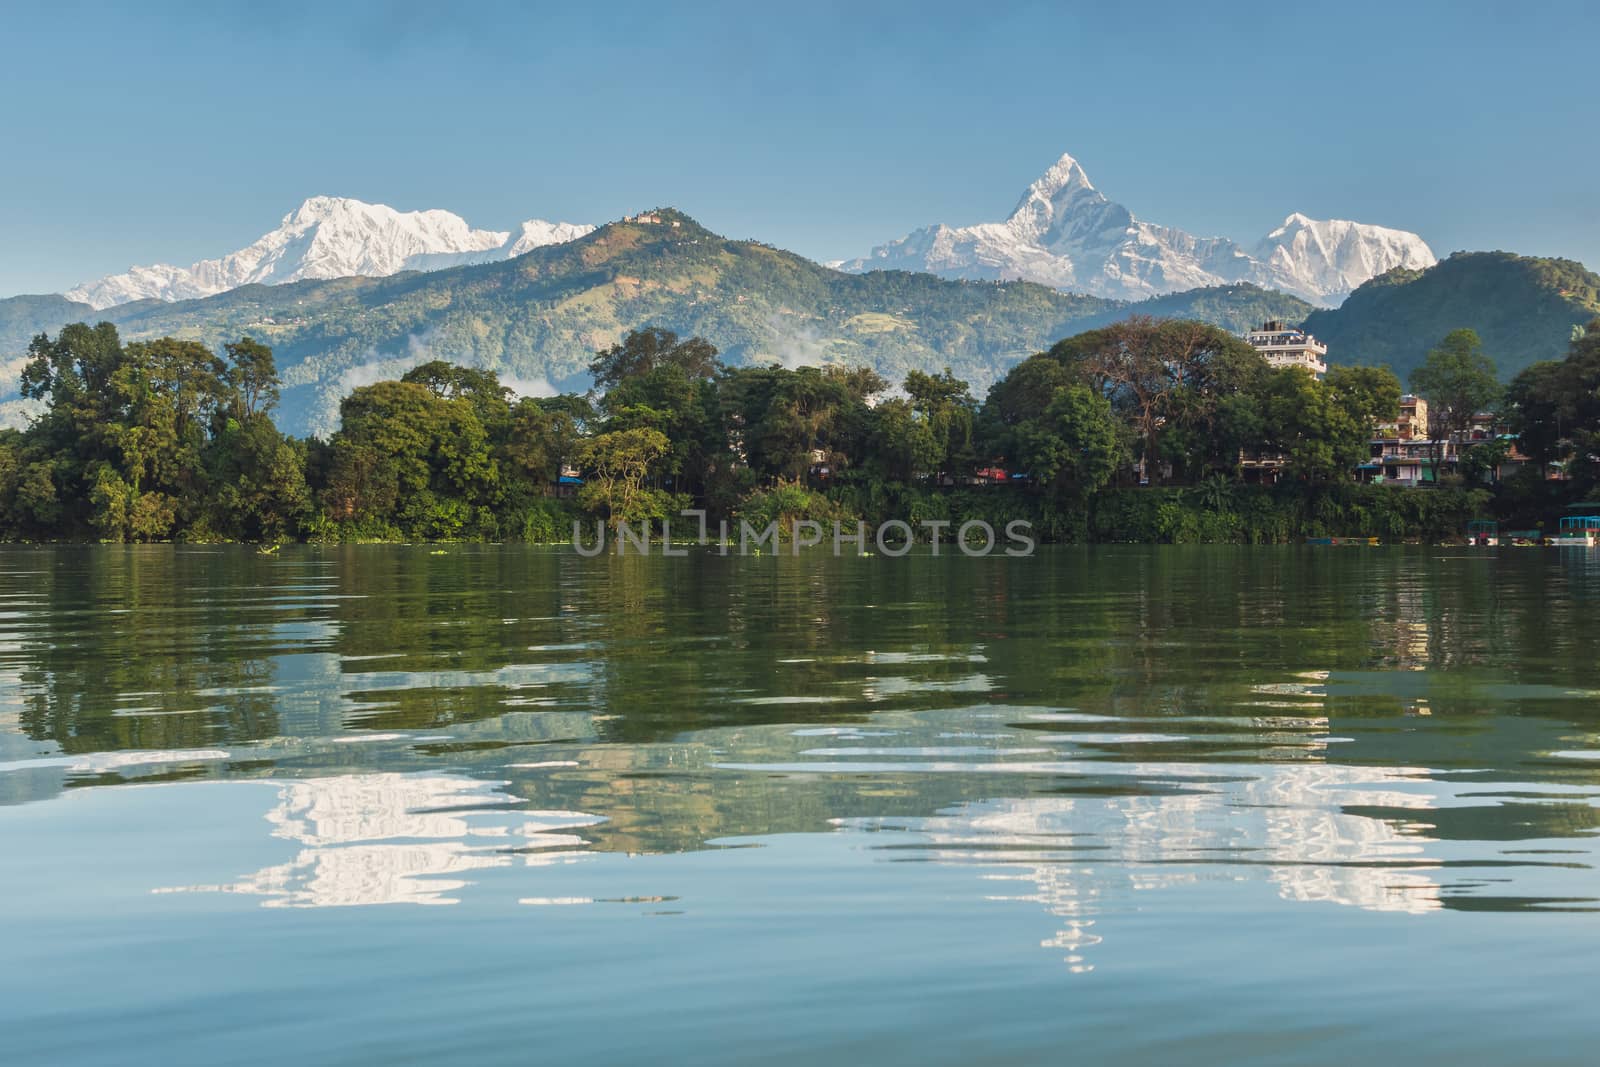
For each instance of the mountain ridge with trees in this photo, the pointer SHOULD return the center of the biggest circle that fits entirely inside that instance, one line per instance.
(537, 319)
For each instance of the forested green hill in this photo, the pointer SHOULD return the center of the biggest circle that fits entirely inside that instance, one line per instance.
(1523, 308)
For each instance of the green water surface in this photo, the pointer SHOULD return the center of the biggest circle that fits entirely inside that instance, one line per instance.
(508, 805)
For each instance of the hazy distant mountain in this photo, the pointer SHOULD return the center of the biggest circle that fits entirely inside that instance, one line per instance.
(1066, 234)
(331, 237)
(23, 317)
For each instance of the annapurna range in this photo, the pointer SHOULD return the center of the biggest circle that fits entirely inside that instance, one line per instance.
(332, 237)
(1064, 233)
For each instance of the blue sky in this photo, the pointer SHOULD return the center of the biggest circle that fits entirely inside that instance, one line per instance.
(170, 133)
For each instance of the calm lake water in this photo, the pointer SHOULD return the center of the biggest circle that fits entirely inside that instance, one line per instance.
(504, 804)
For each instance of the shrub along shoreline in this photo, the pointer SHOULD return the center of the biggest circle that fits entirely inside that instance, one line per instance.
(1241, 514)
(1250, 515)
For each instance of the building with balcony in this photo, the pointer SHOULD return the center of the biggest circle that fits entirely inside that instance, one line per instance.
(1401, 462)
(1289, 346)
(1400, 447)
(1410, 425)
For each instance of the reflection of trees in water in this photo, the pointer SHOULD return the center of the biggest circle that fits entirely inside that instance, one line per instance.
(654, 676)
(144, 647)
(152, 646)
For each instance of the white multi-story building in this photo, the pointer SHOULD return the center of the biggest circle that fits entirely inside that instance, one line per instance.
(1289, 346)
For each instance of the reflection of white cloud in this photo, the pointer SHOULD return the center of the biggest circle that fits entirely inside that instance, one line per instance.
(10, 687)
(391, 839)
(886, 659)
(369, 807)
(1330, 855)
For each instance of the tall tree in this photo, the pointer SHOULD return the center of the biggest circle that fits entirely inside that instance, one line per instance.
(258, 475)
(1458, 381)
(1019, 397)
(1555, 409)
(780, 420)
(617, 464)
(541, 439)
(253, 376)
(1167, 379)
(1320, 437)
(1075, 445)
(944, 404)
(681, 406)
(490, 400)
(903, 446)
(1370, 394)
(413, 460)
(644, 350)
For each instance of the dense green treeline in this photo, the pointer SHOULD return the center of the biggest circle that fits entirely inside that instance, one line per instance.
(1138, 431)
(150, 441)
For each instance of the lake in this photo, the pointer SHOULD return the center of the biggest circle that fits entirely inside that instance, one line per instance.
(503, 804)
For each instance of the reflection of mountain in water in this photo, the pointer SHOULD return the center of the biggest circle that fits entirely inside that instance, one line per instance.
(399, 839)
(1099, 722)
(1082, 853)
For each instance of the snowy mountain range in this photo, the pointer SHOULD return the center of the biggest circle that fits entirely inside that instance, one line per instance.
(332, 237)
(1065, 233)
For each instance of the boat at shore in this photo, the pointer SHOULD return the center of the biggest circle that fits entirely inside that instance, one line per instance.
(1578, 531)
(1484, 533)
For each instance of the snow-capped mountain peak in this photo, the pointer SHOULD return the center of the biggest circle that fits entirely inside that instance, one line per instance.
(536, 233)
(1333, 256)
(332, 237)
(1065, 174)
(1062, 194)
(1066, 233)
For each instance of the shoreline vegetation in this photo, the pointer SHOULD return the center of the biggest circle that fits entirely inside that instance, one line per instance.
(1135, 432)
